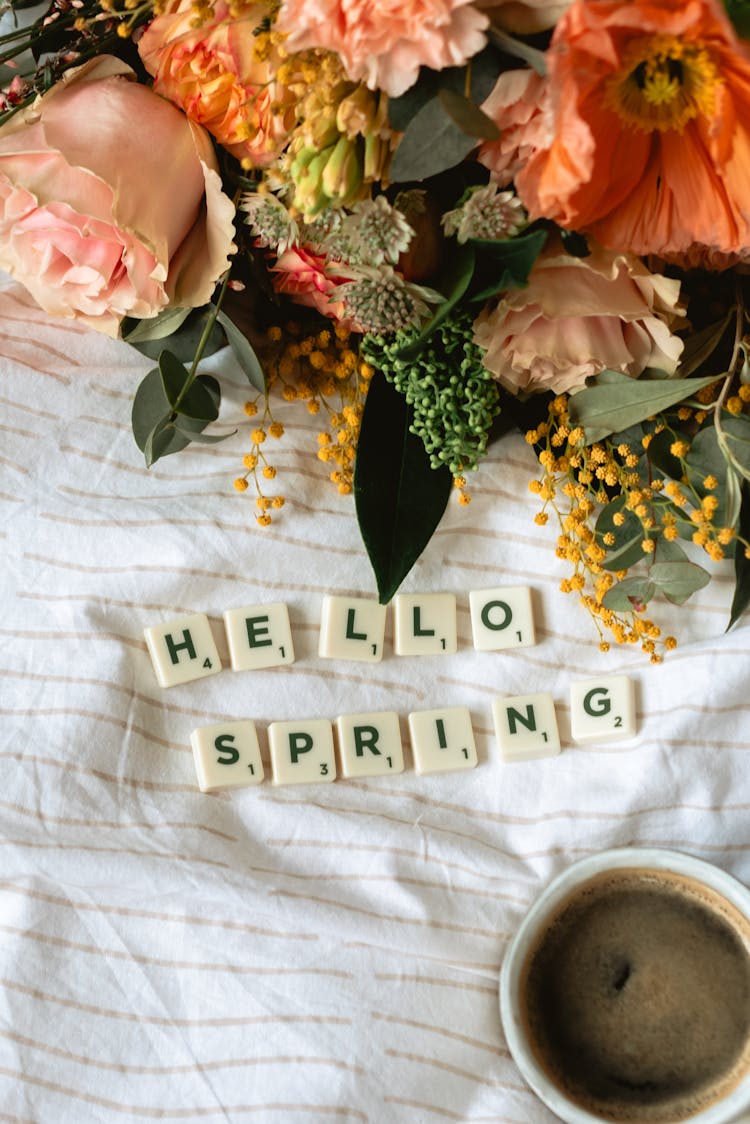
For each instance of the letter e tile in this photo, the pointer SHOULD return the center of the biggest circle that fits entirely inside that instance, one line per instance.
(182, 650)
(370, 744)
(424, 624)
(526, 727)
(259, 636)
(442, 740)
(501, 618)
(227, 755)
(302, 752)
(602, 709)
(351, 628)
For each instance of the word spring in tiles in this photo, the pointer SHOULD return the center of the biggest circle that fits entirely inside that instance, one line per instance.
(228, 755)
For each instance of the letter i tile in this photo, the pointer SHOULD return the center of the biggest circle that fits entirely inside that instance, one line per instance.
(302, 752)
(526, 727)
(182, 650)
(442, 740)
(602, 709)
(227, 755)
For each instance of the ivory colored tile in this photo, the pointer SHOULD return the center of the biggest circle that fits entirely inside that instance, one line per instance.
(502, 618)
(302, 752)
(182, 650)
(424, 624)
(352, 628)
(370, 744)
(442, 740)
(602, 709)
(259, 636)
(227, 755)
(526, 727)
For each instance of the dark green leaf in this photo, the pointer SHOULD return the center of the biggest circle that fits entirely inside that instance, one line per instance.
(243, 353)
(456, 280)
(510, 260)
(161, 441)
(400, 499)
(184, 341)
(468, 116)
(741, 598)
(705, 458)
(152, 414)
(699, 346)
(174, 376)
(150, 406)
(483, 75)
(628, 536)
(660, 456)
(432, 143)
(623, 597)
(156, 327)
(615, 401)
(195, 401)
(677, 581)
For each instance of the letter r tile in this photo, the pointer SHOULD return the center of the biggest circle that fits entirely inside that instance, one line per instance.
(352, 628)
(182, 650)
(302, 752)
(370, 744)
(602, 709)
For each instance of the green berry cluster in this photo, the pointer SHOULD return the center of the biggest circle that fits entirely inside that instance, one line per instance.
(453, 397)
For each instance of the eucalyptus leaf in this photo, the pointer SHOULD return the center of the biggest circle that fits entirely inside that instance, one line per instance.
(741, 598)
(150, 406)
(457, 280)
(736, 440)
(156, 327)
(509, 259)
(700, 346)
(468, 116)
(432, 143)
(160, 442)
(661, 458)
(621, 597)
(482, 75)
(174, 376)
(243, 353)
(677, 581)
(203, 438)
(616, 401)
(705, 458)
(184, 340)
(626, 550)
(399, 498)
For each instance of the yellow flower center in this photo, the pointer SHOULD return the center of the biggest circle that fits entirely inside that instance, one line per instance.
(663, 83)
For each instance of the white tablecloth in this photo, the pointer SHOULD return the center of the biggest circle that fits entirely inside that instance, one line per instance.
(302, 953)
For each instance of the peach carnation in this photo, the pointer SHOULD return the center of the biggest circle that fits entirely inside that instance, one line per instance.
(580, 316)
(222, 75)
(384, 42)
(517, 105)
(650, 140)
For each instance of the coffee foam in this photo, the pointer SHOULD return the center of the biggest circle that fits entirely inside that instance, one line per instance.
(646, 1014)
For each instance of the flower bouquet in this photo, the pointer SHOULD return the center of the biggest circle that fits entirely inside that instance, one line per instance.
(429, 223)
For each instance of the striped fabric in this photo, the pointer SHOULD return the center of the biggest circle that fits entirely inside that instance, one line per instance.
(287, 954)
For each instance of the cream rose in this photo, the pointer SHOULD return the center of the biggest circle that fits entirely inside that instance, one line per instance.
(580, 316)
(110, 201)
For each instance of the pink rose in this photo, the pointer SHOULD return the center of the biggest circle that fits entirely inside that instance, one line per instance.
(384, 42)
(578, 316)
(516, 105)
(308, 279)
(110, 202)
(222, 75)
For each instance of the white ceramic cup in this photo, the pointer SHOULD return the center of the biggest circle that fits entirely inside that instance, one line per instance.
(736, 1104)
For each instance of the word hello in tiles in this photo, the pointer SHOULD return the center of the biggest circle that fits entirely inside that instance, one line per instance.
(351, 628)
(227, 755)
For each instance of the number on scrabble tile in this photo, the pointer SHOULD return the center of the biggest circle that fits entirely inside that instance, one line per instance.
(602, 709)
(351, 628)
(259, 636)
(227, 755)
(370, 744)
(182, 650)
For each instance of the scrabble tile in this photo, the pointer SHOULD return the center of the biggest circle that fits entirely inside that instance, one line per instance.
(352, 628)
(182, 650)
(442, 740)
(602, 709)
(370, 744)
(424, 624)
(501, 618)
(226, 755)
(526, 727)
(259, 636)
(302, 752)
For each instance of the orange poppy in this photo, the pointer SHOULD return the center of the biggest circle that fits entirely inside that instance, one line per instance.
(648, 145)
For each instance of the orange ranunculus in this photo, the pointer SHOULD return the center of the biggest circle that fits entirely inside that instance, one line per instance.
(221, 74)
(649, 146)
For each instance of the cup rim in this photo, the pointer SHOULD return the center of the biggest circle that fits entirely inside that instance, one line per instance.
(556, 891)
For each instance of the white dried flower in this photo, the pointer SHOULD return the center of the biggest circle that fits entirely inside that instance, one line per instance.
(377, 231)
(379, 300)
(486, 212)
(269, 221)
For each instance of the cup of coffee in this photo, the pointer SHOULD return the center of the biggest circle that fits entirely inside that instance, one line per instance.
(625, 994)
